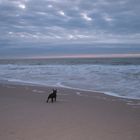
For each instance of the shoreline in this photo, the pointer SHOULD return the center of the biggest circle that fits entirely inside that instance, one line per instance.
(76, 115)
(36, 88)
(59, 85)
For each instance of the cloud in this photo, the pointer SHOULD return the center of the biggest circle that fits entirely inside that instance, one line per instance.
(69, 21)
(61, 13)
(86, 17)
(22, 6)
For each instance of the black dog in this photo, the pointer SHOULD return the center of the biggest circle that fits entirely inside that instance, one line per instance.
(52, 96)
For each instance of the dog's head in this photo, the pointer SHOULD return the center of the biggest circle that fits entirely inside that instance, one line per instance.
(54, 90)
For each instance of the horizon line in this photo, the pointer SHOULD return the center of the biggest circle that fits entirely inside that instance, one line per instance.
(78, 56)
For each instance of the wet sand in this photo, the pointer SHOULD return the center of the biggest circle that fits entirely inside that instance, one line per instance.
(76, 115)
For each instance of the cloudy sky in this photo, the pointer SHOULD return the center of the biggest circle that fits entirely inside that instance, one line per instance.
(66, 27)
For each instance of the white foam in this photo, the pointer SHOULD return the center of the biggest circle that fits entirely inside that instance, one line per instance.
(134, 104)
(78, 93)
(38, 91)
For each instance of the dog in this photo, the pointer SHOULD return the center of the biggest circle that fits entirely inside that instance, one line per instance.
(52, 96)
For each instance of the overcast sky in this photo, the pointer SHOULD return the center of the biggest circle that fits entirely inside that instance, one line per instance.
(35, 26)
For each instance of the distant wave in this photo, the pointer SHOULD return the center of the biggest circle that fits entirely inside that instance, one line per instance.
(74, 61)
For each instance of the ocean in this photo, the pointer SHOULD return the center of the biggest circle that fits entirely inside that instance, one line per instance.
(114, 76)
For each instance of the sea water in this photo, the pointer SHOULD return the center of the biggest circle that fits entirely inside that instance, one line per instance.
(118, 77)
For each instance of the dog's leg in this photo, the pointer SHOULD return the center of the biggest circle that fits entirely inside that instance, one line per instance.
(55, 99)
(52, 99)
(47, 100)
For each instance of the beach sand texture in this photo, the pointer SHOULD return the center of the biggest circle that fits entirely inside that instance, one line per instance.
(76, 115)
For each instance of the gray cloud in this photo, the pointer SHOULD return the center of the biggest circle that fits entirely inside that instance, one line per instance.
(69, 21)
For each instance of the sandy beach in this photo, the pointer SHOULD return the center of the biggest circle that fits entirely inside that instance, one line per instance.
(76, 115)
